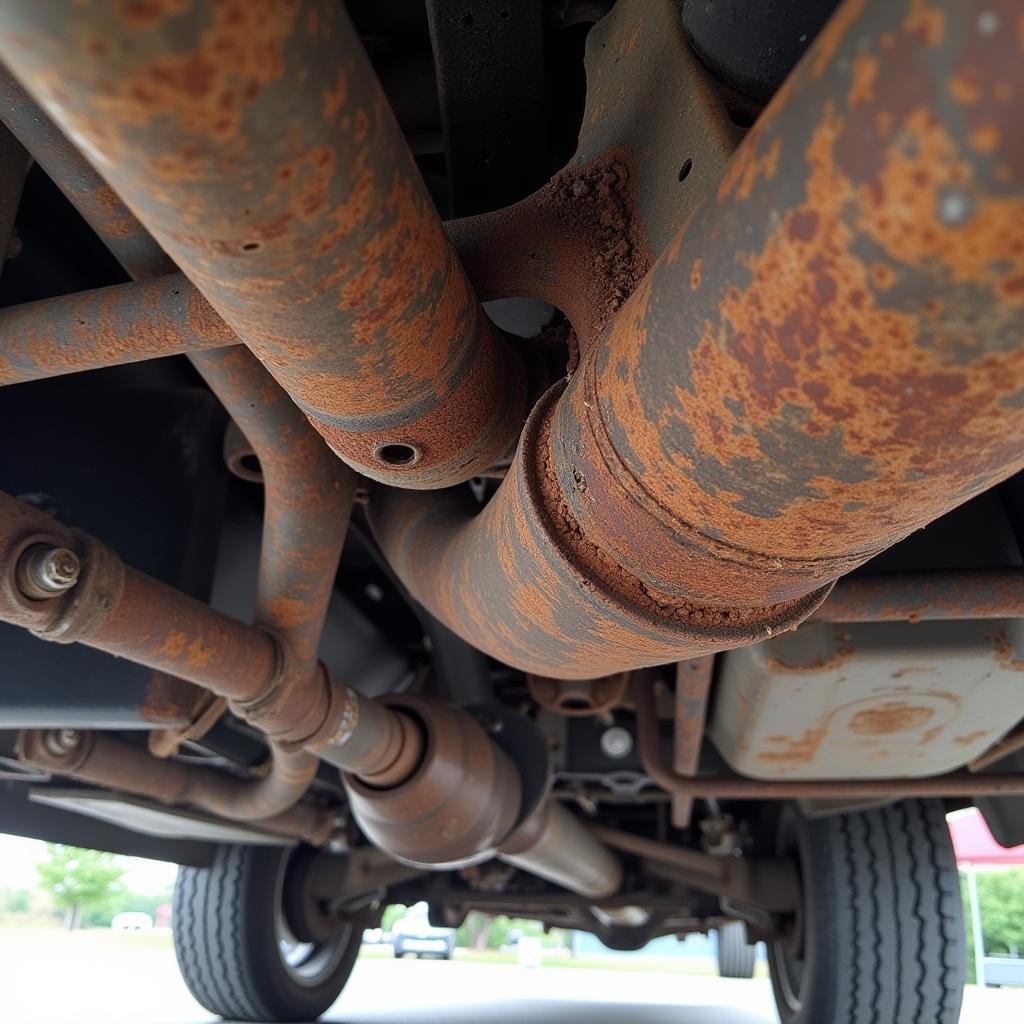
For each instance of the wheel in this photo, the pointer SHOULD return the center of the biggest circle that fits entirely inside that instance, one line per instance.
(879, 935)
(736, 957)
(234, 946)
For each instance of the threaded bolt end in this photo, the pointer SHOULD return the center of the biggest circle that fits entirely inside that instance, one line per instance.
(45, 571)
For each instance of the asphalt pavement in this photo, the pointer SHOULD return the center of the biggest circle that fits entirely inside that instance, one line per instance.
(86, 978)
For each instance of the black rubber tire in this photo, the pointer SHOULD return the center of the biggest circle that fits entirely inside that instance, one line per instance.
(882, 919)
(736, 956)
(226, 941)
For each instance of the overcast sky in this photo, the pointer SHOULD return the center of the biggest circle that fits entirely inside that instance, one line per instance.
(18, 858)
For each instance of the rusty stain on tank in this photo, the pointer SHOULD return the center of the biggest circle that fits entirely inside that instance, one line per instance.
(1007, 651)
(801, 749)
(891, 717)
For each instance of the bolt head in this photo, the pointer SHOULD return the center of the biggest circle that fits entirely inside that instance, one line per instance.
(616, 742)
(61, 741)
(46, 571)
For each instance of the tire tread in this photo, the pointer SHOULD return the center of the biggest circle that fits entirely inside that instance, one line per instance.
(891, 947)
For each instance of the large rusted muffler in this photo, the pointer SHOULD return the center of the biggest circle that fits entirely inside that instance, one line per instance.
(827, 357)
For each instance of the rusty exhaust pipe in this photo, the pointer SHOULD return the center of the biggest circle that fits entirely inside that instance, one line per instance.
(107, 327)
(267, 802)
(114, 608)
(323, 253)
(425, 781)
(826, 358)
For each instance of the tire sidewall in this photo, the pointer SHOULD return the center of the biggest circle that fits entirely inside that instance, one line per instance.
(815, 910)
(278, 990)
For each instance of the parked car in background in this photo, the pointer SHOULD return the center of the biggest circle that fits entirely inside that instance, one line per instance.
(131, 921)
(415, 934)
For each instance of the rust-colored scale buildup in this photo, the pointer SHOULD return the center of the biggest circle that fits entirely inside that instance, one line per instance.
(256, 144)
(827, 357)
(849, 365)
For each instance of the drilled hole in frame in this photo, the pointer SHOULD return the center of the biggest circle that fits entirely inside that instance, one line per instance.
(398, 454)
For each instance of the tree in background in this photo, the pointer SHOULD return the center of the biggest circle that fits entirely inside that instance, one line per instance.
(392, 913)
(79, 880)
(1001, 900)
(14, 901)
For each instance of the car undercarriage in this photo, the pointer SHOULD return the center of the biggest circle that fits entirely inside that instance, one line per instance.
(558, 459)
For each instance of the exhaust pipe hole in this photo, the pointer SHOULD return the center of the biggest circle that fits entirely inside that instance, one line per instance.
(398, 455)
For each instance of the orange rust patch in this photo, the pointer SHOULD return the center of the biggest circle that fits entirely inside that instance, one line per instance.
(795, 749)
(334, 98)
(985, 137)
(927, 22)
(1006, 651)
(966, 87)
(831, 37)
(208, 88)
(816, 664)
(695, 273)
(865, 72)
(175, 644)
(890, 718)
(971, 738)
(147, 13)
(747, 167)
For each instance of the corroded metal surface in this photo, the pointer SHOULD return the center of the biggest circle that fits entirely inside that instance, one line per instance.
(868, 700)
(132, 245)
(578, 698)
(117, 764)
(514, 581)
(273, 679)
(827, 357)
(317, 243)
(124, 612)
(693, 688)
(655, 137)
(921, 596)
(459, 804)
(107, 327)
(736, 787)
(269, 677)
(307, 503)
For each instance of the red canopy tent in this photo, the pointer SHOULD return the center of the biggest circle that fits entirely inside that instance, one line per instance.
(974, 846)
